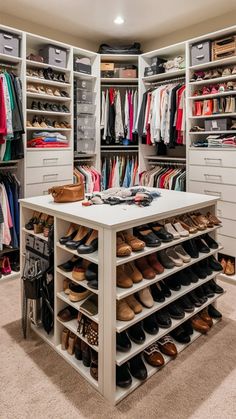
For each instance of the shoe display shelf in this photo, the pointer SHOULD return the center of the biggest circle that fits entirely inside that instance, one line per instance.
(108, 221)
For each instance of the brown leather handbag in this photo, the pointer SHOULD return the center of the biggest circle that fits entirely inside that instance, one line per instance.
(68, 193)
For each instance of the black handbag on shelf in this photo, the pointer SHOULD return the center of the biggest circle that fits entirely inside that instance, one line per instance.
(119, 49)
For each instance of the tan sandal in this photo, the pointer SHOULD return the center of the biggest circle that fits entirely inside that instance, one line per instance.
(49, 91)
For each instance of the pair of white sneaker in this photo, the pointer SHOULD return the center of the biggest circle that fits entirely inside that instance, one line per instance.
(176, 230)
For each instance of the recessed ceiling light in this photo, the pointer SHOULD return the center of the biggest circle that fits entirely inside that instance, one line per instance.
(119, 20)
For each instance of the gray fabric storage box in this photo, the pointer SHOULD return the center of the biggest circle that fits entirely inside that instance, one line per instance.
(84, 108)
(85, 121)
(84, 84)
(54, 55)
(201, 53)
(86, 146)
(218, 124)
(85, 96)
(9, 44)
(86, 133)
(82, 65)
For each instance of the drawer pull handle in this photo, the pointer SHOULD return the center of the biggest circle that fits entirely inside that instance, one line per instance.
(200, 56)
(54, 175)
(213, 193)
(47, 161)
(8, 47)
(214, 176)
(58, 60)
(7, 36)
(208, 159)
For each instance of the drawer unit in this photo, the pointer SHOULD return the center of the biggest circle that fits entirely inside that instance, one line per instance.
(201, 53)
(223, 192)
(48, 174)
(226, 210)
(39, 189)
(228, 228)
(85, 96)
(213, 158)
(229, 244)
(212, 174)
(50, 158)
(54, 55)
(9, 44)
(85, 109)
(84, 84)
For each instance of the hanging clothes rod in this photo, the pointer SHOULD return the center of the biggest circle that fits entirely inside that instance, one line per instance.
(8, 167)
(166, 81)
(7, 66)
(119, 151)
(166, 163)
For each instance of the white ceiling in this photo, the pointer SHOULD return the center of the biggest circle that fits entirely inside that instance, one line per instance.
(93, 19)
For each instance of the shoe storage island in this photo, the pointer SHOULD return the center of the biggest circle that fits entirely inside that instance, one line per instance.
(131, 345)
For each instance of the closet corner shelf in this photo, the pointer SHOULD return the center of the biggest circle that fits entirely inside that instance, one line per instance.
(163, 76)
(215, 115)
(213, 81)
(48, 82)
(47, 129)
(121, 80)
(5, 58)
(121, 393)
(37, 111)
(36, 64)
(48, 97)
(79, 75)
(12, 275)
(123, 58)
(213, 95)
(166, 158)
(216, 63)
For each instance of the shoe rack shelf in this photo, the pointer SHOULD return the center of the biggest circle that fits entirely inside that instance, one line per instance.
(48, 97)
(215, 80)
(214, 64)
(48, 82)
(215, 115)
(213, 95)
(12, 275)
(108, 221)
(122, 393)
(84, 283)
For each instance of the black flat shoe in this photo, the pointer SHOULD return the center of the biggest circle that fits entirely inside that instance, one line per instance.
(213, 312)
(214, 264)
(157, 294)
(165, 289)
(163, 319)
(91, 244)
(200, 293)
(184, 278)
(210, 241)
(204, 265)
(145, 234)
(207, 291)
(136, 334)
(186, 304)
(192, 276)
(194, 299)
(137, 368)
(69, 265)
(201, 246)
(123, 343)
(191, 248)
(173, 282)
(187, 326)
(91, 272)
(180, 335)
(150, 325)
(82, 235)
(215, 287)
(197, 269)
(161, 232)
(176, 311)
(165, 260)
(123, 377)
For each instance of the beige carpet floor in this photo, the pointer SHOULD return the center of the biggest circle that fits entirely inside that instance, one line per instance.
(36, 383)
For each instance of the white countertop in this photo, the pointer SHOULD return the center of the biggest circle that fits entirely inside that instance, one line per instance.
(123, 215)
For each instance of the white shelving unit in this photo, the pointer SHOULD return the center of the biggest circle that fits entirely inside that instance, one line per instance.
(109, 220)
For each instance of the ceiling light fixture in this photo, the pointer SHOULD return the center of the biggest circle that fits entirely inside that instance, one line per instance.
(119, 20)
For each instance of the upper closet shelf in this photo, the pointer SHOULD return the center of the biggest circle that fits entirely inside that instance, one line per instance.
(164, 76)
(216, 63)
(10, 59)
(119, 80)
(34, 64)
(79, 75)
(119, 58)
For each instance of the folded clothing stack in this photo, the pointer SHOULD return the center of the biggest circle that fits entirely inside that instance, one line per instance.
(177, 63)
(48, 139)
(220, 141)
